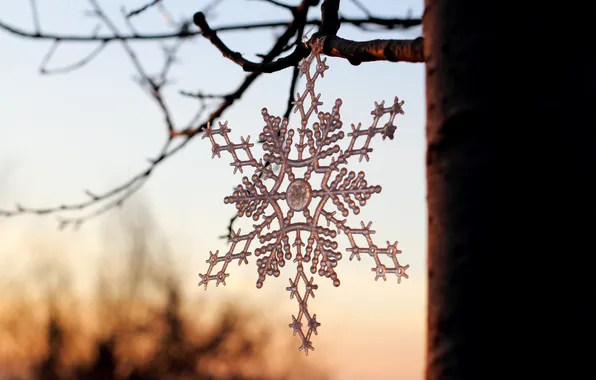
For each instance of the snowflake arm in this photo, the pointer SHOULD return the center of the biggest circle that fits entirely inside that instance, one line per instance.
(388, 130)
(380, 269)
(216, 148)
(351, 187)
(214, 259)
(252, 197)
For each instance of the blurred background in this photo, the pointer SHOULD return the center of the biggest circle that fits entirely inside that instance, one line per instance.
(118, 297)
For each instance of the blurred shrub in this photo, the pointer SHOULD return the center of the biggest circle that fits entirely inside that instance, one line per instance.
(137, 325)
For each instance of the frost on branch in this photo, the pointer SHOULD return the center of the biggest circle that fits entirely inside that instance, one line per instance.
(308, 242)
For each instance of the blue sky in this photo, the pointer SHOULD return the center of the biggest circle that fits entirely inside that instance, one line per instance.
(94, 128)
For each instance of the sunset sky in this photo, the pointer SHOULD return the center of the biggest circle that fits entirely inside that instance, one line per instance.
(94, 128)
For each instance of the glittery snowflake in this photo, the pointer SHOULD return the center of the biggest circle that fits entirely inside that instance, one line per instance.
(264, 196)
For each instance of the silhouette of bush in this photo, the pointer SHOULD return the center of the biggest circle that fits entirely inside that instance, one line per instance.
(225, 351)
(137, 336)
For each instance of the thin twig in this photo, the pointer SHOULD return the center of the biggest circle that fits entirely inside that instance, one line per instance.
(142, 9)
(118, 195)
(177, 139)
(35, 16)
(291, 98)
(355, 52)
(389, 23)
(330, 21)
(72, 66)
(301, 51)
(375, 50)
(200, 95)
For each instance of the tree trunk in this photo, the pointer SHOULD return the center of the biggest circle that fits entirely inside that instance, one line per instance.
(511, 164)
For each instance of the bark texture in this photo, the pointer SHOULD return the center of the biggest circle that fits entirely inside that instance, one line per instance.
(375, 50)
(511, 166)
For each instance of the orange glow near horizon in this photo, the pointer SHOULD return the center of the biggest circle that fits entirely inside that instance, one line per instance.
(369, 329)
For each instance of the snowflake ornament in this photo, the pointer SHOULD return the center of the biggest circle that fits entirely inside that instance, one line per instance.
(305, 242)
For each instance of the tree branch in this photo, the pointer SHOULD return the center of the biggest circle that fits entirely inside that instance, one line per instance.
(43, 69)
(138, 11)
(301, 51)
(35, 16)
(367, 51)
(375, 50)
(388, 23)
(118, 195)
(177, 139)
(330, 22)
(355, 52)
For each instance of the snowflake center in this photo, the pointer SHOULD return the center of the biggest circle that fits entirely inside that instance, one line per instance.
(299, 194)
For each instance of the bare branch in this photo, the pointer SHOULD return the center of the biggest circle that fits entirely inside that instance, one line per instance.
(35, 16)
(177, 139)
(297, 27)
(375, 50)
(294, 80)
(330, 22)
(200, 95)
(118, 195)
(388, 23)
(300, 52)
(354, 52)
(358, 52)
(142, 9)
(71, 67)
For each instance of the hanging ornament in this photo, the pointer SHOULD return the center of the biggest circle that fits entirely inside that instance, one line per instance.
(304, 235)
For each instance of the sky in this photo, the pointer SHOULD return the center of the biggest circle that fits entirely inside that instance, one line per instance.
(94, 128)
